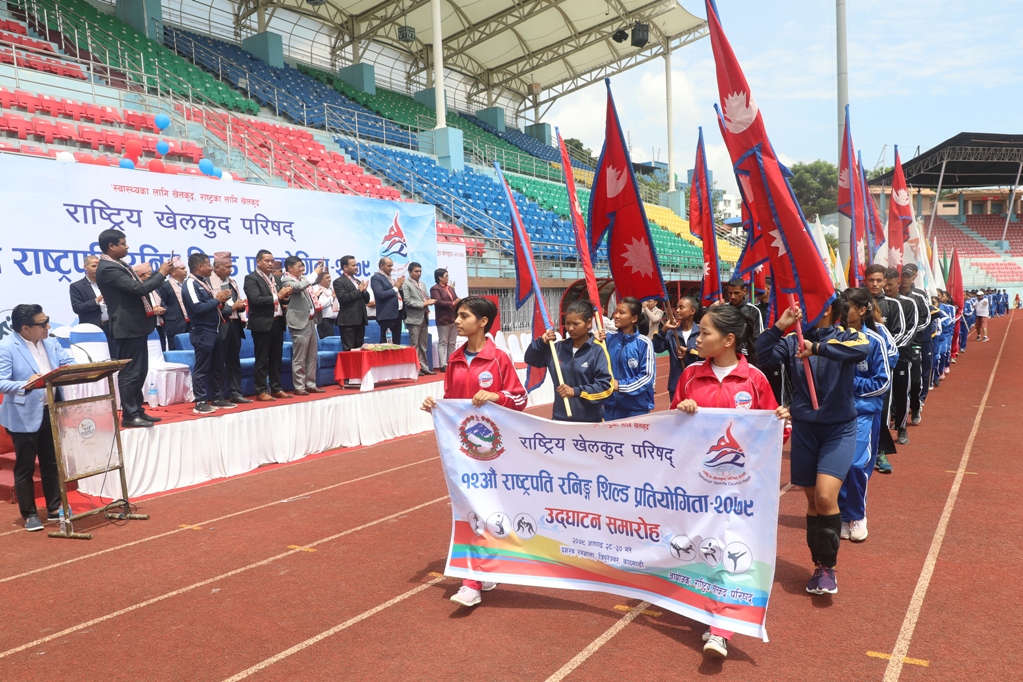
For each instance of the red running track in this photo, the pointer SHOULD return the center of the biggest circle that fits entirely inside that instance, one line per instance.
(329, 568)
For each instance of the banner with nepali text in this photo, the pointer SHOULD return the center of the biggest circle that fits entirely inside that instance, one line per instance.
(674, 509)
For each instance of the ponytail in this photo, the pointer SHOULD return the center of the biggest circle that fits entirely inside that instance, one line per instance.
(728, 319)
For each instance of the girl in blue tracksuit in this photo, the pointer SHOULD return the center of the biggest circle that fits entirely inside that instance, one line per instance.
(584, 367)
(823, 440)
(632, 363)
(872, 379)
(678, 337)
(943, 347)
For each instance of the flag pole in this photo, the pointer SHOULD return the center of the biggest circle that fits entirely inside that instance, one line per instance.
(806, 361)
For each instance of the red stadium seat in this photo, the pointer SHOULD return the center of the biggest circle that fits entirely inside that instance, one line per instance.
(73, 109)
(18, 125)
(44, 128)
(66, 131)
(7, 145)
(27, 101)
(110, 116)
(113, 139)
(7, 98)
(91, 136)
(51, 105)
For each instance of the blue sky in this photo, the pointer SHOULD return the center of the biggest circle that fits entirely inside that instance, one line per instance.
(919, 72)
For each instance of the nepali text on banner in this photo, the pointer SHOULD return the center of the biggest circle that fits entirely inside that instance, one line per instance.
(678, 510)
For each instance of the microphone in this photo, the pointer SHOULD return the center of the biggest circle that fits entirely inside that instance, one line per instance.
(81, 348)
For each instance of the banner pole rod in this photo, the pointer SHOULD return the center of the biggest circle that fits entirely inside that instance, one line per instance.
(806, 361)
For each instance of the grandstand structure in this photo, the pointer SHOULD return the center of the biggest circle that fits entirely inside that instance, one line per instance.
(978, 212)
(76, 77)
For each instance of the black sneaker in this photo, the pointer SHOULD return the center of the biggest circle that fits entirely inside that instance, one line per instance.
(917, 418)
(226, 404)
(203, 407)
(903, 437)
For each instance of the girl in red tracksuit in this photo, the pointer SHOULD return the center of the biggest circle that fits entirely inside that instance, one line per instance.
(725, 379)
(479, 371)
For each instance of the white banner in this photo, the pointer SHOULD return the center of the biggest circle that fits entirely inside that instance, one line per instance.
(677, 510)
(53, 214)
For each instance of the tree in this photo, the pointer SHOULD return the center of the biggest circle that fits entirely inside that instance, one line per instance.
(878, 172)
(577, 145)
(832, 241)
(816, 187)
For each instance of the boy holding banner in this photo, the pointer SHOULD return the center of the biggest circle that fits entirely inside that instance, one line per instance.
(481, 372)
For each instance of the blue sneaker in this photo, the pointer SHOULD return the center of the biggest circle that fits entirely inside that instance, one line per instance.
(826, 583)
(811, 585)
(33, 524)
(882, 464)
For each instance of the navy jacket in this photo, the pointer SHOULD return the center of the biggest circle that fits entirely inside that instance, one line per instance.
(833, 368)
(670, 341)
(174, 321)
(203, 309)
(586, 372)
(385, 296)
(83, 302)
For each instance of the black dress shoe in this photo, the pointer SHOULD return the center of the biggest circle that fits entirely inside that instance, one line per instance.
(239, 400)
(143, 415)
(429, 372)
(136, 422)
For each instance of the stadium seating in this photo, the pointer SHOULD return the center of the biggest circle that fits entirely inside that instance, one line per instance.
(32, 53)
(449, 233)
(1001, 271)
(949, 235)
(123, 49)
(991, 227)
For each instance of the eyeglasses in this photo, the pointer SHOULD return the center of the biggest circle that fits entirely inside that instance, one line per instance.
(38, 324)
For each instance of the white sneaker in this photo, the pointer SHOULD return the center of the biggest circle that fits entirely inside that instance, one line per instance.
(706, 635)
(488, 586)
(467, 596)
(716, 646)
(845, 531)
(858, 530)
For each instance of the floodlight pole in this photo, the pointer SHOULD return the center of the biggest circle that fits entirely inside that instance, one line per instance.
(1012, 201)
(934, 208)
(844, 223)
(438, 66)
(667, 93)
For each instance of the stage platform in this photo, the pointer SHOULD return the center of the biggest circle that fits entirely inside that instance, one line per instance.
(186, 449)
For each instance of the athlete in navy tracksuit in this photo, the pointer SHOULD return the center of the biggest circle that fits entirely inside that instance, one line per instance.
(679, 341)
(968, 319)
(632, 363)
(823, 440)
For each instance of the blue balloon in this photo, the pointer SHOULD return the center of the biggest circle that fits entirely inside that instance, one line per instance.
(162, 148)
(217, 173)
(127, 163)
(162, 121)
(206, 166)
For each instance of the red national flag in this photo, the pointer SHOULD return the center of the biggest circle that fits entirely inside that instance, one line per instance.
(527, 283)
(900, 215)
(616, 209)
(851, 203)
(796, 265)
(954, 283)
(875, 229)
(701, 224)
(581, 242)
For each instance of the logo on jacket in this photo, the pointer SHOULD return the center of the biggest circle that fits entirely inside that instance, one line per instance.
(633, 363)
(726, 462)
(480, 438)
(743, 400)
(394, 245)
(486, 379)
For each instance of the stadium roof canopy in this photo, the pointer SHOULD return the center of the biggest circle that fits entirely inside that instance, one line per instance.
(534, 50)
(968, 160)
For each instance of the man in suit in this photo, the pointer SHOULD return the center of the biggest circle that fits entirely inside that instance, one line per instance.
(204, 306)
(132, 319)
(302, 318)
(87, 301)
(233, 330)
(352, 297)
(24, 356)
(417, 314)
(388, 302)
(174, 319)
(266, 322)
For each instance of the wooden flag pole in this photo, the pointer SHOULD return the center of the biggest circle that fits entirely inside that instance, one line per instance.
(806, 361)
(561, 378)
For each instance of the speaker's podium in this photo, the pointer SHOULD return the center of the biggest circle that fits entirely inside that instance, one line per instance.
(86, 438)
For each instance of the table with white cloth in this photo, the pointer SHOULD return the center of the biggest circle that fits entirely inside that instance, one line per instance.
(371, 366)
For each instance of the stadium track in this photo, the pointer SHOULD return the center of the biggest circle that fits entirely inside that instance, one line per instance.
(330, 568)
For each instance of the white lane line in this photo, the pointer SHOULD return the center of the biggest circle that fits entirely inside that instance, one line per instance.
(332, 631)
(203, 583)
(581, 657)
(206, 523)
(916, 602)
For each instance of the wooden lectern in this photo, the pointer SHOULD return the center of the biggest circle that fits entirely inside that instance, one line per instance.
(86, 437)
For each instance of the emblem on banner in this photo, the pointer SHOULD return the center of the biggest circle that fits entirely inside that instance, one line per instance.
(726, 462)
(480, 438)
(394, 245)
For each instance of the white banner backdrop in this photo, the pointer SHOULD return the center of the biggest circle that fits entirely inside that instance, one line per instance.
(53, 214)
(677, 510)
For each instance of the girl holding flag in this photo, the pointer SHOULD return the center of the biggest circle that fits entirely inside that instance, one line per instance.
(823, 440)
(587, 381)
(633, 363)
(724, 379)
(481, 372)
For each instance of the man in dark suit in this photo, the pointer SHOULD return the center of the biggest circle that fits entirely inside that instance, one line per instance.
(131, 320)
(233, 329)
(386, 292)
(87, 301)
(204, 306)
(352, 297)
(266, 322)
(175, 321)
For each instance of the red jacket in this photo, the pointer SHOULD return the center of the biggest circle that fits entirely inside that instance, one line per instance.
(745, 387)
(492, 370)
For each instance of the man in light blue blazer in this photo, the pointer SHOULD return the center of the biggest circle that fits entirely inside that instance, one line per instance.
(24, 356)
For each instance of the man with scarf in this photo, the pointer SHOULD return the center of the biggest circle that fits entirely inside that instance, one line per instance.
(233, 329)
(302, 317)
(266, 322)
(204, 306)
(132, 319)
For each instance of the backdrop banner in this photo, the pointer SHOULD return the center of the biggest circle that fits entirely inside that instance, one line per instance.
(677, 510)
(54, 212)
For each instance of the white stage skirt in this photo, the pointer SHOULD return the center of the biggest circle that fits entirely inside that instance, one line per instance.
(187, 453)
